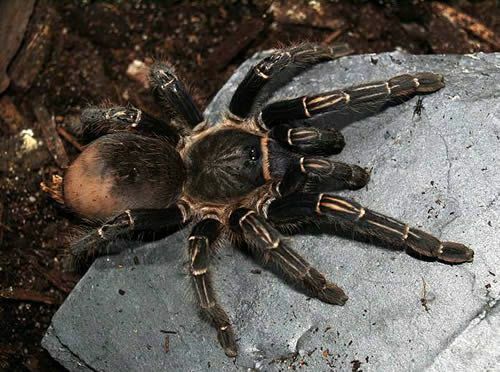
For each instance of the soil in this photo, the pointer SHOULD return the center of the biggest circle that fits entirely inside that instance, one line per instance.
(76, 53)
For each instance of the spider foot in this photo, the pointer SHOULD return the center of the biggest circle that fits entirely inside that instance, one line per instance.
(429, 82)
(332, 294)
(359, 178)
(225, 335)
(334, 174)
(455, 253)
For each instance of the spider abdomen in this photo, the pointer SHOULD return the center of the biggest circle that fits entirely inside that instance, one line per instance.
(123, 171)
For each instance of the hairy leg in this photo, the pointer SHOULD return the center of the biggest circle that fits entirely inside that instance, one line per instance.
(350, 99)
(97, 122)
(309, 140)
(297, 58)
(203, 235)
(171, 95)
(307, 206)
(95, 242)
(270, 246)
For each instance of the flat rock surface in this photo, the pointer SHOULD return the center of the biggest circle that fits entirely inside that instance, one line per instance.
(438, 171)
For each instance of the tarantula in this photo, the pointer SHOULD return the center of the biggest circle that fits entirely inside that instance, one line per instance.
(243, 179)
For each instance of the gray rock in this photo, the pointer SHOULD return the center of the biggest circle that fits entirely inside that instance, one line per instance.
(438, 171)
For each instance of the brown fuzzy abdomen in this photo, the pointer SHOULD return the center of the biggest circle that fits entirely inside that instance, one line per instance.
(123, 171)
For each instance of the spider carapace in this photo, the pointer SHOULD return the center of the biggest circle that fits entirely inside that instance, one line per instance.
(260, 170)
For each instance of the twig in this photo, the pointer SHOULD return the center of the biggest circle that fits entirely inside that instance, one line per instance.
(69, 137)
(468, 23)
(19, 294)
(333, 36)
(423, 299)
(50, 136)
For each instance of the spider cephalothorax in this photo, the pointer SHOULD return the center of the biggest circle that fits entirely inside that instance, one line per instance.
(256, 172)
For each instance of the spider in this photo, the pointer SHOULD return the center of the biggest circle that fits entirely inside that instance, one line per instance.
(418, 107)
(253, 174)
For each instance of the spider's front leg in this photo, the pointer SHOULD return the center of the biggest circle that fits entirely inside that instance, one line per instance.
(95, 243)
(270, 246)
(369, 95)
(307, 206)
(202, 237)
(171, 94)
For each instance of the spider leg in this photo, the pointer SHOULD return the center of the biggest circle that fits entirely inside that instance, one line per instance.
(326, 174)
(95, 242)
(295, 59)
(353, 98)
(100, 121)
(309, 140)
(351, 214)
(171, 94)
(270, 246)
(203, 235)
(316, 173)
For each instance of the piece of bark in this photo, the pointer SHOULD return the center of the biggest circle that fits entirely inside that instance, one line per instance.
(14, 17)
(467, 23)
(439, 30)
(20, 294)
(11, 118)
(317, 14)
(235, 43)
(139, 71)
(35, 51)
(50, 136)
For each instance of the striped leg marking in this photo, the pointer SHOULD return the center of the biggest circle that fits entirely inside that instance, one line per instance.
(309, 140)
(204, 233)
(388, 230)
(270, 246)
(393, 231)
(355, 98)
(95, 243)
(294, 59)
(340, 175)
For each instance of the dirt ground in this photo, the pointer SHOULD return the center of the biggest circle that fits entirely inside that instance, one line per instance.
(76, 53)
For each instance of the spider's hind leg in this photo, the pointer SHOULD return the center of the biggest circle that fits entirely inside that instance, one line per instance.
(96, 241)
(97, 121)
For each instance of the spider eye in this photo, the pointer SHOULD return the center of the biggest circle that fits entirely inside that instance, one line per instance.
(253, 156)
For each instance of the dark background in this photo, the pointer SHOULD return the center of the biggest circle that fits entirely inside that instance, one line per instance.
(75, 53)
